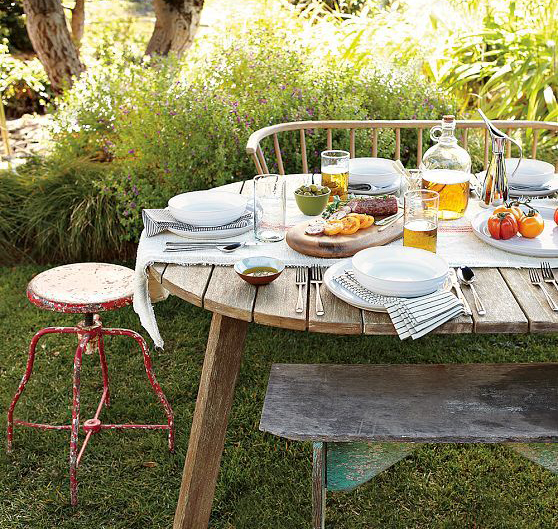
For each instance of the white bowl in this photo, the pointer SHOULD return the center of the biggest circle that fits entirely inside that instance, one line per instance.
(399, 271)
(207, 208)
(377, 171)
(535, 172)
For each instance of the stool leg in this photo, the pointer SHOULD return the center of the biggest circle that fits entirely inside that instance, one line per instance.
(150, 375)
(75, 417)
(27, 375)
(104, 368)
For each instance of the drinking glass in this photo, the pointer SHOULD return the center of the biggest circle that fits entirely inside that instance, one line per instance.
(269, 207)
(453, 187)
(421, 219)
(335, 173)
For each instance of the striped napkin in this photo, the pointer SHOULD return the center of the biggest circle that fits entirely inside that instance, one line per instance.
(411, 317)
(158, 220)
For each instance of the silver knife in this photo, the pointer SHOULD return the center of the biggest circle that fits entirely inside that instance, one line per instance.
(459, 292)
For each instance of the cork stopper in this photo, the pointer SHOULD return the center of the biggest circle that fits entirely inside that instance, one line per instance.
(450, 118)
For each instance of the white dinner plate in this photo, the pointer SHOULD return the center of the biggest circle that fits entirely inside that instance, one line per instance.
(342, 293)
(399, 271)
(347, 296)
(207, 208)
(375, 171)
(545, 245)
(380, 191)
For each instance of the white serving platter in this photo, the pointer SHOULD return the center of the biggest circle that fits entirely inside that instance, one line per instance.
(545, 245)
(399, 271)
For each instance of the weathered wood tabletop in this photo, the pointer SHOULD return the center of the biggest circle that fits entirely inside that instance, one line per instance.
(513, 305)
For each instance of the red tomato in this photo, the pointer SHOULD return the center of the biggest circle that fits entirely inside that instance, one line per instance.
(502, 225)
(556, 216)
(531, 225)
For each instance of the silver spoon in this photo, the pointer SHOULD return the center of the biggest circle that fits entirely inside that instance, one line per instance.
(228, 248)
(467, 277)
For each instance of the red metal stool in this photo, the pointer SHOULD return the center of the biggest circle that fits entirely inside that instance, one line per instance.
(86, 288)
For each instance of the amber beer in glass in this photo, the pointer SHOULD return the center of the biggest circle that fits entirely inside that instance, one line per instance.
(335, 173)
(420, 229)
(453, 188)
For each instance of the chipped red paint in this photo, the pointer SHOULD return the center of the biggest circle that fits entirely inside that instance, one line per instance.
(90, 338)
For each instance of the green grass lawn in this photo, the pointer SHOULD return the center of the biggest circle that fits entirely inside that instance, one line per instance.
(129, 480)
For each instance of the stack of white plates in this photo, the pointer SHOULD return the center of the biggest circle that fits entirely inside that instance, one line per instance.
(377, 172)
(533, 177)
(207, 208)
(399, 271)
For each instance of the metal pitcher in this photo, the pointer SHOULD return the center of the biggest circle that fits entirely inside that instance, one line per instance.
(495, 189)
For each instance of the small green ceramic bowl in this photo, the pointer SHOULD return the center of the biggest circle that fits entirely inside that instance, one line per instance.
(312, 205)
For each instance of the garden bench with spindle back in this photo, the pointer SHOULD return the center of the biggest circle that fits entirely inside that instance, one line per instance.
(364, 418)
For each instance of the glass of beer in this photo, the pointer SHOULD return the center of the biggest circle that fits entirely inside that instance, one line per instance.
(335, 173)
(421, 219)
(453, 187)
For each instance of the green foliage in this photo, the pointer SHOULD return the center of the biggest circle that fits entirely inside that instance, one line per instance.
(146, 132)
(510, 67)
(24, 85)
(12, 26)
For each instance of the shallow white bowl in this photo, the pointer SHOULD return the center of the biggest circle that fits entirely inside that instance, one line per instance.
(534, 172)
(399, 271)
(207, 208)
(377, 171)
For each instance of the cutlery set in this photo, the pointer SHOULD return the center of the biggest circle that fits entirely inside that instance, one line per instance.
(316, 279)
(546, 276)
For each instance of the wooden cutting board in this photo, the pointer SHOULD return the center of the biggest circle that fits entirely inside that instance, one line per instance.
(338, 246)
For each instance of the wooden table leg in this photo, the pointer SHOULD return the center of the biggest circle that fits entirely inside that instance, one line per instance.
(207, 437)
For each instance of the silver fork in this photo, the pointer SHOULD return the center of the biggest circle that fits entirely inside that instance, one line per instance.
(548, 274)
(316, 278)
(536, 280)
(301, 279)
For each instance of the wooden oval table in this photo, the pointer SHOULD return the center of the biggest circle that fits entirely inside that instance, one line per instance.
(513, 305)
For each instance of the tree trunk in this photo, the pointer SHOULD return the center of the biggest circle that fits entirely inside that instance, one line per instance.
(175, 27)
(46, 25)
(78, 21)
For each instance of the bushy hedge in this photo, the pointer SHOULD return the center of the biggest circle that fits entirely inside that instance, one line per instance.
(131, 134)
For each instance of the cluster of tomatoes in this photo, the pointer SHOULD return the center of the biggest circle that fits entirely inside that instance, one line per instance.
(341, 223)
(509, 220)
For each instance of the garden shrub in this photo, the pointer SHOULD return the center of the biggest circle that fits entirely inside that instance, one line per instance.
(24, 85)
(131, 134)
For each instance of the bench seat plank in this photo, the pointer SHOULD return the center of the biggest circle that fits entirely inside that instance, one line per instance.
(471, 403)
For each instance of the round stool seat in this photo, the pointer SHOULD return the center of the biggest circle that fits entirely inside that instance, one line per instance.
(82, 288)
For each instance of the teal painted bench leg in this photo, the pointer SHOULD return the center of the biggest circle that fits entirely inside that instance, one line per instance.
(544, 454)
(345, 466)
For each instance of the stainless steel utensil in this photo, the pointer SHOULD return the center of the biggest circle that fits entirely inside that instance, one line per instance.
(459, 292)
(536, 280)
(548, 274)
(393, 220)
(467, 277)
(225, 248)
(301, 280)
(316, 278)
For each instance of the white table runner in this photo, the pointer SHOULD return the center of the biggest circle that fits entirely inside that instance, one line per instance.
(456, 243)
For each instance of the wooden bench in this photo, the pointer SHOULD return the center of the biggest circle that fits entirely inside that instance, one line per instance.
(364, 418)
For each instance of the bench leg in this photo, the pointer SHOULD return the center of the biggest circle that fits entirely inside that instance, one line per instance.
(319, 485)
